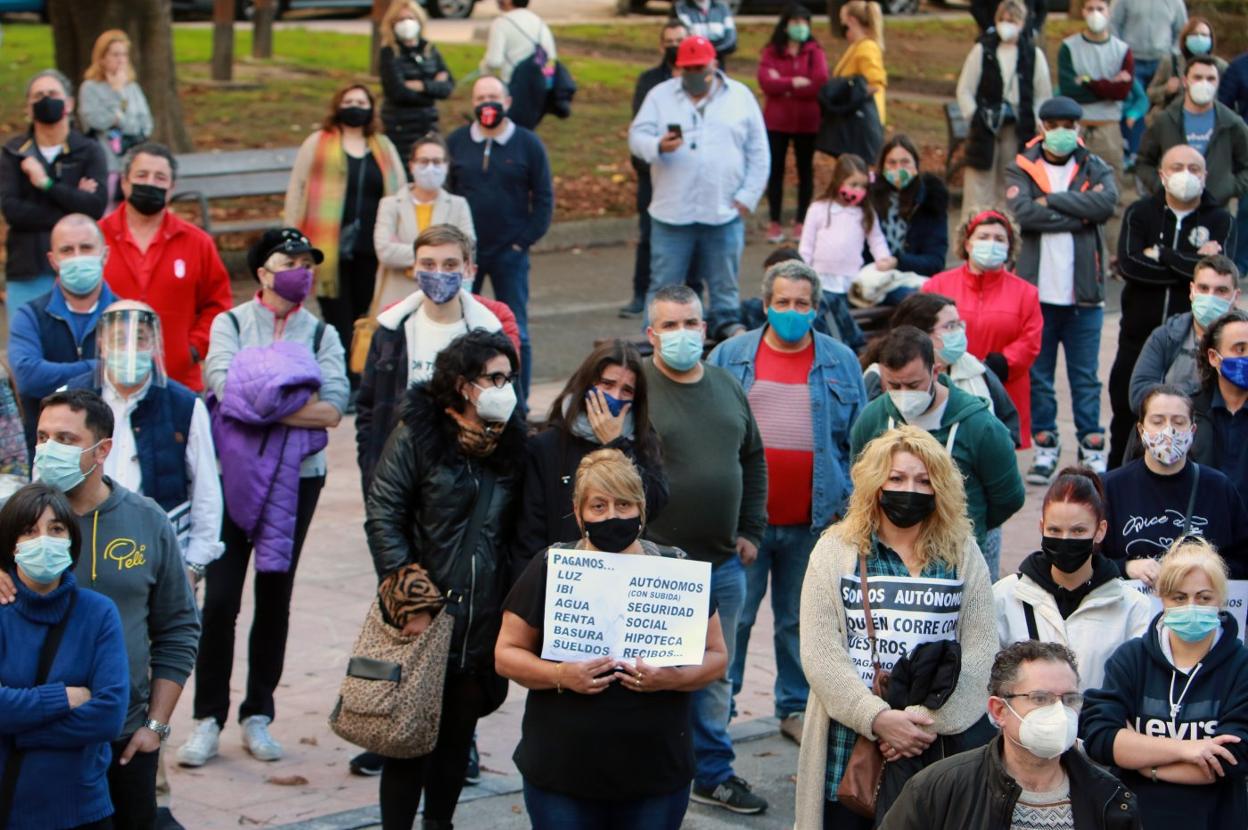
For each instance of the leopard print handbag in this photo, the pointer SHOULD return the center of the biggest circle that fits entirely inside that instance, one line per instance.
(390, 701)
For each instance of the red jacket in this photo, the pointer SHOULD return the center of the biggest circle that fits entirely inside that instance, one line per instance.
(790, 110)
(1002, 314)
(181, 276)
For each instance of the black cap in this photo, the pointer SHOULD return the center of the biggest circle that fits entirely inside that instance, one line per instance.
(287, 240)
(1060, 107)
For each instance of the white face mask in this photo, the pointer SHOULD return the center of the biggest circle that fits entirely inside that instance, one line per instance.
(1202, 92)
(1049, 731)
(1184, 186)
(1097, 22)
(407, 30)
(431, 177)
(912, 403)
(496, 404)
(1008, 31)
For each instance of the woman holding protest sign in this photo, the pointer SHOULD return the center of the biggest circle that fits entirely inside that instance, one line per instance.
(605, 742)
(907, 540)
(1067, 592)
(1172, 714)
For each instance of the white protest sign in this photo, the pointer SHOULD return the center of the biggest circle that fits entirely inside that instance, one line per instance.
(1236, 600)
(625, 606)
(907, 612)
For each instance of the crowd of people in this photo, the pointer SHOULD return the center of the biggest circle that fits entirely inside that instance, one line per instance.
(177, 437)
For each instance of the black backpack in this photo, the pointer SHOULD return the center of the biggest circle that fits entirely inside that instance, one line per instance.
(539, 86)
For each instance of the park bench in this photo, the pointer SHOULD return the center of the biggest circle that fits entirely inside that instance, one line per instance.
(235, 174)
(958, 128)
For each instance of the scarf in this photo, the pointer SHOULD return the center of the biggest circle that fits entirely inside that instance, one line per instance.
(476, 441)
(326, 196)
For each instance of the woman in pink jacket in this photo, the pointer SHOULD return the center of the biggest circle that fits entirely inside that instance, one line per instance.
(791, 71)
(1001, 310)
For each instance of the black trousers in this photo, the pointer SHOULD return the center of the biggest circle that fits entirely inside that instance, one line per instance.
(357, 278)
(804, 156)
(1144, 308)
(836, 817)
(223, 596)
(132, 788)
(440, 774)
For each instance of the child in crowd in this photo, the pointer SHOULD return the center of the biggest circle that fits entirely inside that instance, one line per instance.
(838, 225)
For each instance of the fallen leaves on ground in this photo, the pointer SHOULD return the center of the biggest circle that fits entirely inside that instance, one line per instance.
(287, 780)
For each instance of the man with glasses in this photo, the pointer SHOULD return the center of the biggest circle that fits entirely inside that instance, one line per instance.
(1031, 775)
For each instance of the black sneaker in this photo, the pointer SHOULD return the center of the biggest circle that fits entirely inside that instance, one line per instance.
(166, 821)
(634, 308)
(367, 764)
(472, 775)
(734, 794)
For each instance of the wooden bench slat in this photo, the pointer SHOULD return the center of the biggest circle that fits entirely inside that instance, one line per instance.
(234, 186)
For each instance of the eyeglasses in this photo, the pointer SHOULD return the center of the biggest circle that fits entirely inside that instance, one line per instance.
(1072, 700)
(427, 162)
(952, 326)
(498, 379)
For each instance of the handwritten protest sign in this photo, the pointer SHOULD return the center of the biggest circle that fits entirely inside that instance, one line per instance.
(626, 606)
(907, 611)
(1236, 600)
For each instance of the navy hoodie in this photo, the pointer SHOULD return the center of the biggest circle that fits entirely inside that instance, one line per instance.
(1138, 688)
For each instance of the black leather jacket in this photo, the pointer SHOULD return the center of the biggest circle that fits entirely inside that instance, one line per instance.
(973, 791)
(419, 506)
(406, 113)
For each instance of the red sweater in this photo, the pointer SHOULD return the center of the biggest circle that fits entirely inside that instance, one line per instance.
(181, 276)
(1002, 314)
(791, 110)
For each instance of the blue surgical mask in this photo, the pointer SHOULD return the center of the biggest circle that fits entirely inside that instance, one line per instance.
(681, 349)
(1235, 369)
(1199, 44)
(81, 274)
(440, 286)
(1206, 308)
(989, 254)
(44, 558)
(60, 465)
(614, 404)
(953, 346)
(1192, 623)
(791, 325)
(129, 369)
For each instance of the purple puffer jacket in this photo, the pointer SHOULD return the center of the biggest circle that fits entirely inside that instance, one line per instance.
(260, 457)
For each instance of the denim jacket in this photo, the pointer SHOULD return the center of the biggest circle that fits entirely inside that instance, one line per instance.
(837, 396)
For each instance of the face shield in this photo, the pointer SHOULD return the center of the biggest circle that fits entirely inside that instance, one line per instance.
(130, 348)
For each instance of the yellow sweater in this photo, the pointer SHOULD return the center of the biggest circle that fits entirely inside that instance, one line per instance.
(866, 58)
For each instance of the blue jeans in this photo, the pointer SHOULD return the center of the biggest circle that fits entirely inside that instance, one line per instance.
(784, 554)
(712, 747)
(556, 811)
(1077, 329)
(713, 252)
(508, 272)
(20, 292)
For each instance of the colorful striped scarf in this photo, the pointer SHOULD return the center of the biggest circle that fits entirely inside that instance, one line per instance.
(326, 197)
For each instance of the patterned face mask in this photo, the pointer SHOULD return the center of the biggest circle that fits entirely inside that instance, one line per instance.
(1169, 446)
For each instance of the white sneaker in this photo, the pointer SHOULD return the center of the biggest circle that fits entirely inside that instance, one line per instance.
(258, 741)
(203, 744)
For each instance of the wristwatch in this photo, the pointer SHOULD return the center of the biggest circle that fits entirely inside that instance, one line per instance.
(161, 729)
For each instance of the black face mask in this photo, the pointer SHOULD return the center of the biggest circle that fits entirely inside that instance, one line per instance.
(147, 199)
(613, 535)
(355, 116)
(905, 508)
(48, 110)
(1067, 555)
(490, 114)
(669, 55)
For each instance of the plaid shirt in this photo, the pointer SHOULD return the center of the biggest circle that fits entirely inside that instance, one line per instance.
(841, 739)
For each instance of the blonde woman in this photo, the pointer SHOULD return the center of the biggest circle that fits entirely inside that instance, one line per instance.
(863, 24)
(414, 77)
(111, 104)
(1172, 714)
(638, 774)
(906, 524)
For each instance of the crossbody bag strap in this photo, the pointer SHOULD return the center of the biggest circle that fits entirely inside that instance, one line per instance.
(13, 764)
(1191, 499)
(1029, 614)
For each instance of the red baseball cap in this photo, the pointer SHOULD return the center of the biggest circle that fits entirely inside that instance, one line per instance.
(695, 50)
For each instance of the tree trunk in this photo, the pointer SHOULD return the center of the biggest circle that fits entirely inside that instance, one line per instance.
(374, 59)
(222, 40)
(149, 23)
(262, 36)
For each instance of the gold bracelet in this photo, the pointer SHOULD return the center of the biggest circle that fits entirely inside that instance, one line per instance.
(558, 675)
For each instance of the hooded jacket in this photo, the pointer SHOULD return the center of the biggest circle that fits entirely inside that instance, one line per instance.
(974, 791)
(1108, 616)
(419, 507)
(1226, 157)
(1160, 351)
(1139, 684)
(981, 447)
(1086, 204)
(261, 481)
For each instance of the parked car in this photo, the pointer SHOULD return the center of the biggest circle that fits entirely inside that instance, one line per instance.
(244, 9)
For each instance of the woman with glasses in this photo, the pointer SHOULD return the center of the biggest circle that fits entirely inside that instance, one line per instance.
(405, 215)
(460, 440)
(1001, 309)
(1068, 592)
(1172, 712)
